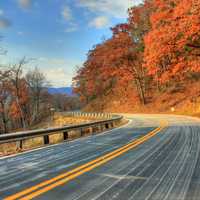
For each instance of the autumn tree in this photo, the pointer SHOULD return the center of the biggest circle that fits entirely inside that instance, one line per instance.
(118, 61)
(81, 83)
(19, 92)
(5, 99)
(172, 47)
(97, 77)
(139, 26)
(139, 23)
(128, 59)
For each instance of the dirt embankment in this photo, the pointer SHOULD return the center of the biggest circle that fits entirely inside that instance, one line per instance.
(184, 100)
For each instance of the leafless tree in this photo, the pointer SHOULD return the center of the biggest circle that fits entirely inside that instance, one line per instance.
(37, 82)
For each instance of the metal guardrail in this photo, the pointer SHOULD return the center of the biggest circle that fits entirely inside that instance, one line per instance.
(89, 115)
(108, 121)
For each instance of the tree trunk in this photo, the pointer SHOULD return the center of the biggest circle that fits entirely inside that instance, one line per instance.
(37, 105)
(4, 119)
(22, 118)
(157, 83)
(142, 93)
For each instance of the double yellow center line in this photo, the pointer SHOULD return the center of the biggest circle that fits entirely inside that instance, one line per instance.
(61, 179)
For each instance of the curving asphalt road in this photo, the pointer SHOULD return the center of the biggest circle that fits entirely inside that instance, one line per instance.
(166, 166)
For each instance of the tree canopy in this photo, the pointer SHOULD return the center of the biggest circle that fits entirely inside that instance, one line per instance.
(160, 43)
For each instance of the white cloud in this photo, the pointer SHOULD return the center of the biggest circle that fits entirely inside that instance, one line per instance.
(1, 12)
(59, 72)
(58, 77)
(100, 22)
(59, 41)
(66, 13)
(52, 61)
(114, 8)
(20, 33)
(72, 27)
(25, 4)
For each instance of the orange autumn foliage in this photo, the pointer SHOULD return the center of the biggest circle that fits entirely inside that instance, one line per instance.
(158, 48)
(172, 46)
(114, 63)
(23, 97)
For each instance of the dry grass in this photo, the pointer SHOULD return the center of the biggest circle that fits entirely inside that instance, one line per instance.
(60, 120)
(176, 100)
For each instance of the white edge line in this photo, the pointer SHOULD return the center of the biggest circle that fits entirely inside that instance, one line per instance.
(66, 142)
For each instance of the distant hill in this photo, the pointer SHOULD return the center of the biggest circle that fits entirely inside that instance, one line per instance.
(61, 90)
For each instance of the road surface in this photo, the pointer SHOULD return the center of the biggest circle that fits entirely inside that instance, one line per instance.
(153, 157)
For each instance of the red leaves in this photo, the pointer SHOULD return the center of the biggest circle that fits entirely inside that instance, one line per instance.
(175, 28)
(120, 28)
(14, 111)
(160, 41)
(104, 67)
(11, 99)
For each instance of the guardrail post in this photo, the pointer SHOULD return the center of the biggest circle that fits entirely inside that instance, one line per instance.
(107, 126)
(20, 144)
(82, 132)
(46, 139)
(111, 125)
(90, 130)
(65, 135)
(99, 128)
(93, 129)
(102, 127)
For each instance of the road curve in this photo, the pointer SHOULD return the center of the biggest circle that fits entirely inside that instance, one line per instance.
(144, 159)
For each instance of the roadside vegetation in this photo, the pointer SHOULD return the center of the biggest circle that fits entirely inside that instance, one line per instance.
(24, 99)
(150, 64)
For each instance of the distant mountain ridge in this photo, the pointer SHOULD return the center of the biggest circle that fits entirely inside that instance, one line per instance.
(61, 90)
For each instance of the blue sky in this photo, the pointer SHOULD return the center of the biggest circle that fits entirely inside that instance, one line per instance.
(57, 34)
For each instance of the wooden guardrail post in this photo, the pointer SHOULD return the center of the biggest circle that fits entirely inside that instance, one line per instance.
(46, 139)
(90, 130)
(65, 135)
(82, 132)
(107, 126)
(94, 129)
(102, 127)
(111, 125)
(19, 144)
